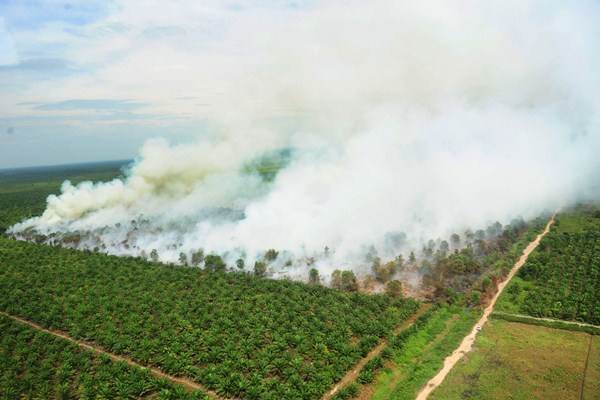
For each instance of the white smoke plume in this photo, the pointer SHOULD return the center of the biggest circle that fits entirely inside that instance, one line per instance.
(398, 117)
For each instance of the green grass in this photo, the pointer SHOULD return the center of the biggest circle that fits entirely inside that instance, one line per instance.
(579, 220)
(423, 354)
(591, 389)
(518, 361)
(548, 323)
(36, 365)
(23, 192)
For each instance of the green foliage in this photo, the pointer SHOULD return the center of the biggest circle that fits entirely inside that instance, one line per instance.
(475, 267)
(455, 239)
(367, 343)
(561, 278)
(269, 165)
(367, 373)
(521, 361)
(394, 288)
(260, 268)
(347, 392)
(555, 324)
(420, 351)
(313, 277)
(349, 282)
(214, 263)
(344, 280)
(271, 255)
(412, 258)
(583, 218)
(486, 282)
(238, 335)
(383, 272)
(183, 260)
(239, 263)
(23, 192)
(197, 257)
(475, 297)
(37, 365)
(397, 342)
(336, 279)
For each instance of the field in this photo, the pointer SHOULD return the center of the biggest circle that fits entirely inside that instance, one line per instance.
(543, 342)
(236, 334)
(519, 361)
(561, 279)
(23, 192)
(592, 377)
(299, 200)
(421, 355)
(37, 365)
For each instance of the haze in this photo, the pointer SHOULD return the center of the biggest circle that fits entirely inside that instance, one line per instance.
(422, 119)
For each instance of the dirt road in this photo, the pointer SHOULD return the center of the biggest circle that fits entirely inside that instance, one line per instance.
(188, 384)
(467, 343)
(560, 321)
(353, 373)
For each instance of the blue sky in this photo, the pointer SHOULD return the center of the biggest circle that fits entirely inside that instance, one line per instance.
(92, 80)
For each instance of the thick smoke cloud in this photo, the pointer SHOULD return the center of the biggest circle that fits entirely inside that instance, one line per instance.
(424, 119)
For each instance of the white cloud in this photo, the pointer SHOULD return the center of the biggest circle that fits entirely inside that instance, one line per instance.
(8, 51)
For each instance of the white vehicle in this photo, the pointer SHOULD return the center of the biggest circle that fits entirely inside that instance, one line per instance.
(478, 328)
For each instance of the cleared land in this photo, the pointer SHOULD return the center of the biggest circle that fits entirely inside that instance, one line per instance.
(519, 361)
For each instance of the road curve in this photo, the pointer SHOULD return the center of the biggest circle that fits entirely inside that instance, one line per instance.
(467, 343)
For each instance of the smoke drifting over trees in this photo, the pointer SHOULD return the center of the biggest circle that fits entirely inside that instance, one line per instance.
(403, 123)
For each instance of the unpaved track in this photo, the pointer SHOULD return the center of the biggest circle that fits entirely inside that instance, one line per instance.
(188, 384)
(467, 343)
(562, 321)
(353, 373)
